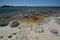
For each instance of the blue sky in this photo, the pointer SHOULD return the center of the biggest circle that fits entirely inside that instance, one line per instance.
(30, 2)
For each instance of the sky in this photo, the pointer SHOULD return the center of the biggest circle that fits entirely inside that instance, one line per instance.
(30, 2)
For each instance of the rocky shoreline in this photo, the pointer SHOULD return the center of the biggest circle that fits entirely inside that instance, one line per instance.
(27, 13)
(31, 25)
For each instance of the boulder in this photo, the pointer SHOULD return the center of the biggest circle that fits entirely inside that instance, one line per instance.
(14, 24)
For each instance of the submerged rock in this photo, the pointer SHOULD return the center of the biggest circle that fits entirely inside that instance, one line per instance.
(3, 24)
(14, 24)
(23, 16)
(6, 16)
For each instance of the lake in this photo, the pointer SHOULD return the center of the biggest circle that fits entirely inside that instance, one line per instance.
(9, 10)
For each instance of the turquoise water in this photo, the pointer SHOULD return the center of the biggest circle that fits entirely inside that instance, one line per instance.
(8, 10)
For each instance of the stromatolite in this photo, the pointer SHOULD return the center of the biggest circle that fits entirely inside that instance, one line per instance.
(14, 24)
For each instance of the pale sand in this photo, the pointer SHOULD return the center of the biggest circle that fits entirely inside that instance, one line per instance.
(25, 33)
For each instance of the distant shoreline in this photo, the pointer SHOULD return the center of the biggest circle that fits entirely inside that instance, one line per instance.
(7, 6)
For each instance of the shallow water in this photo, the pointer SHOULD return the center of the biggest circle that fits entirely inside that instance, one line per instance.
(9, 10)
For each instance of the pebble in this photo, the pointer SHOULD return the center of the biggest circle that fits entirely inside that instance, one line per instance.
(1, 36)
(19, 27)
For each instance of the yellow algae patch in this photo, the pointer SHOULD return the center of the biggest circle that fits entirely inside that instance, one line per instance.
(33, 19)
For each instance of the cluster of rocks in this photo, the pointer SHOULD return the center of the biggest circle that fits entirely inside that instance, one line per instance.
(14, 24)
(9, 36)
(28, 13)
(24, 31)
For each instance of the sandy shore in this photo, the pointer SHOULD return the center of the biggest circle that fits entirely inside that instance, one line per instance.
(28, 26)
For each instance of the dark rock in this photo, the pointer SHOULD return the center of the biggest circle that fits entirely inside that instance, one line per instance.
(14, 24)
(4, 24)
(1, 36)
